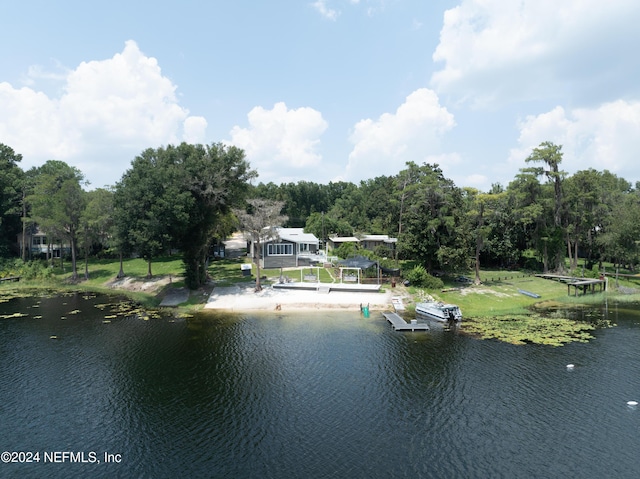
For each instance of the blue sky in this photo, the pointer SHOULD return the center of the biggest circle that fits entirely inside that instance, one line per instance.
(325, 90)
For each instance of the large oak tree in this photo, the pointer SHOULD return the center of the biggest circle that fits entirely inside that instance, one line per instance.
(175, 196)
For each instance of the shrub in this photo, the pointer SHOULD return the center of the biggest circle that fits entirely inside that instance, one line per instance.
(346, 250)
(419, 276)
(36, 269)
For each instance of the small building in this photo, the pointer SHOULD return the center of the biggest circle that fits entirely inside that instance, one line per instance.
(338, 241)
(38, 245)
(368, 242)
(291, 247)
(371, 242)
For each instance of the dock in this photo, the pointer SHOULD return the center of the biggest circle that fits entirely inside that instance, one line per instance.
(583, 284)
(10, 278)
(400, 324)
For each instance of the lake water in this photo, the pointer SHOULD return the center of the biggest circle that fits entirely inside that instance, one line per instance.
(313, 395)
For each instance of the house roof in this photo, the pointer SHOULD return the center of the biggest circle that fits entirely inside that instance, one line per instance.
(383, 238)
(297, 235)
(344, 239)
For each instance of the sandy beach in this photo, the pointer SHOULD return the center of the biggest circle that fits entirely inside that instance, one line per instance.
(243, 298)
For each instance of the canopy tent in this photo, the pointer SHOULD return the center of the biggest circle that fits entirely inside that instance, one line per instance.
(357, 262)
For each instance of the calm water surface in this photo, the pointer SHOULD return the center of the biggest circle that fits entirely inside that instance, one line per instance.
(310, 395)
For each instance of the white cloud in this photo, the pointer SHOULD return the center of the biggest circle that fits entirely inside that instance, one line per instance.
(38, 72)
(412, 133)
(601, 138)
(125, 98)
(108, 112)
(195, 129)
(494, 50)
(322, 8)
(371, 7)
(453, 167)
(279, 140)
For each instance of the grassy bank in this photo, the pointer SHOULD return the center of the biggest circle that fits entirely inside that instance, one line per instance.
(102, 274)
(167, 274)
(497, 309)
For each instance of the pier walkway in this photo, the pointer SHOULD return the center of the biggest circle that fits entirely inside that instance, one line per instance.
(583, 284)
(400, 324)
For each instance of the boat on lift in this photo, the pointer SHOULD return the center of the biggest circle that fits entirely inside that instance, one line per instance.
(440, 311)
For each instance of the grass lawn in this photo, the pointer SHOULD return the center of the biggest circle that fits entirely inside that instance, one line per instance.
(104, 270)
(501, 296)
(497, 310)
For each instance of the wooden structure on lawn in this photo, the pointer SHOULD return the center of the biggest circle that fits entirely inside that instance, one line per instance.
(583, 284)
(351, 269)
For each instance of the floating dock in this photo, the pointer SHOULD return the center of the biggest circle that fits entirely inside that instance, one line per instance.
(400, 324)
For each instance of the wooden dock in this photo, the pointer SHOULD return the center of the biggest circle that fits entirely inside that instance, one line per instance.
(10, 278)
(583, 284)
(400, 324)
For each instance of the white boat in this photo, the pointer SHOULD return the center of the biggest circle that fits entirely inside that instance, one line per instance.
(440, 311)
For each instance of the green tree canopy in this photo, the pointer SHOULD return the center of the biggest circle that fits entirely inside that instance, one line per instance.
(173, 197)
(57, 202)
(11, 178)
(434, 225)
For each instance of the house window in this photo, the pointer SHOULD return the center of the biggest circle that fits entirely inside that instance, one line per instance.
(39, 240)
(303, 247)
(280, 249)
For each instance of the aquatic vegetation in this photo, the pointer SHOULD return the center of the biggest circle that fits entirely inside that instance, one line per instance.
(7, 295)
(119, 308)
(128, 309)
(14, 315)
(530, 329)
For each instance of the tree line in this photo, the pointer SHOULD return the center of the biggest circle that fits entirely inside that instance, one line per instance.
(182, 197)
